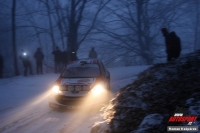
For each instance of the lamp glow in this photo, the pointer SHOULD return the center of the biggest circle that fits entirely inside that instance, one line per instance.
(98, 89)
(56, 89)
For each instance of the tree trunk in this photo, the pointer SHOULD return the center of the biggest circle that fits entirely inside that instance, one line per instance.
(196, 41)
(50, 24)
(14, 38)
(72, 35)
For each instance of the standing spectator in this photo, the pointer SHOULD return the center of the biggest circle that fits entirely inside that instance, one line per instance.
(26, 62)
(173, 44)
(176, 44)
(39, 56)
(92, 53)
(73, 56)
(1, 66)
(64, 58)
(57, 59)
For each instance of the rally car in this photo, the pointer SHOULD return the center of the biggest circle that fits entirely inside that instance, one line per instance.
(82, 83)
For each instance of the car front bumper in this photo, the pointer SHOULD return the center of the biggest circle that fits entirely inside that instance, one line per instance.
(61, 101)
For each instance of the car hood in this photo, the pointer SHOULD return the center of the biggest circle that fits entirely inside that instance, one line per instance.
(77, 81)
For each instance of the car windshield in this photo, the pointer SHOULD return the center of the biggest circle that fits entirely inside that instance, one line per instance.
(89, 70)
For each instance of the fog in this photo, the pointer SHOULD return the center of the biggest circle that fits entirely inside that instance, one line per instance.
(123, 32)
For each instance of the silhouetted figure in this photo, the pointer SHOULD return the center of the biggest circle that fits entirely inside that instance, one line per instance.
(57, 60)
(1, 66)
(26, 62)
(92, 53)
(73, 56)
(176, 44)
(173, 44)
(39, 56)
(64, 58)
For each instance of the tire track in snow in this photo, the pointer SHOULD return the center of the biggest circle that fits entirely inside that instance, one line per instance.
(17, 125)
(84, 119)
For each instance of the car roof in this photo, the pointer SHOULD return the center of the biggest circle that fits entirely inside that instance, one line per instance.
(84, 61)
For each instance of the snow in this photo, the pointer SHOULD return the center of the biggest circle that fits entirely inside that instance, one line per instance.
(24, 104)
(149, 120)
(147, 104)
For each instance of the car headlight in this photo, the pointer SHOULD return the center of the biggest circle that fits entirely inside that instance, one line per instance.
(56, 89)
(98, 89)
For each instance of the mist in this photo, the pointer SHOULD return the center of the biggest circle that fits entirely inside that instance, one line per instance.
(124, 33)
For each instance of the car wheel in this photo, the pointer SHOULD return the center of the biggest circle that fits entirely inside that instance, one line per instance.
(55, 108)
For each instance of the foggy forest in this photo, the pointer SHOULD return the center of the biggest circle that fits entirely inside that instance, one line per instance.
(123, 32)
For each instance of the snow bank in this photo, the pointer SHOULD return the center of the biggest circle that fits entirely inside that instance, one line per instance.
(147, 103)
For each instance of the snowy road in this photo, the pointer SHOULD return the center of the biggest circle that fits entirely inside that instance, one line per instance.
(24, 104)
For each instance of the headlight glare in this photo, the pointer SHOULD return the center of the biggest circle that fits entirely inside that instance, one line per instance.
(98, 89)
(56, 89)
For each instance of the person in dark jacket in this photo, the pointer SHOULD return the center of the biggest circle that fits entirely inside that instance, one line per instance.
(173, 44)
(1, 66)
(64, 58)
(39, 56)
(57, 59)
(92, 53)
(176, 44)
(26, 62)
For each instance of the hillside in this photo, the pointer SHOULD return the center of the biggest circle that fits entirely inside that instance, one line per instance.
(147, 104)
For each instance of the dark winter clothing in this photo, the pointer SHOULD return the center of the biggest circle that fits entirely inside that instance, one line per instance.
(64, 58)
(73, 56)
(176, 44)
(26, 62)
(92, 53)
(39, 56)
(173, 44)
(57, 60)
(1, 66)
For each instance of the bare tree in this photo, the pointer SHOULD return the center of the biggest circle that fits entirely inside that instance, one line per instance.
(76, 10)
(59, 21)
(68, 21)
(197, 26)
(49, 14)
(29, 17)
(14, 38)
(136, 26)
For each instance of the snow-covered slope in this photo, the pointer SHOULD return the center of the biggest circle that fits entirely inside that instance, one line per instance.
(147, 104)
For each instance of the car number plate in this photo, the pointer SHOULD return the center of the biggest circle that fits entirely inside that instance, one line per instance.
(73, 107)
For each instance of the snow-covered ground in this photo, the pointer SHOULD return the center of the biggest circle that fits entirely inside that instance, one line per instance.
(24, 104)
(160, 92)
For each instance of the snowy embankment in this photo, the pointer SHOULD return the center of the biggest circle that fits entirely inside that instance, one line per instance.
(24, 104)
(147, 104)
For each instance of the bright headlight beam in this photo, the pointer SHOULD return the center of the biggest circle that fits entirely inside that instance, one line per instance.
(98, 89)
(56, 89)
